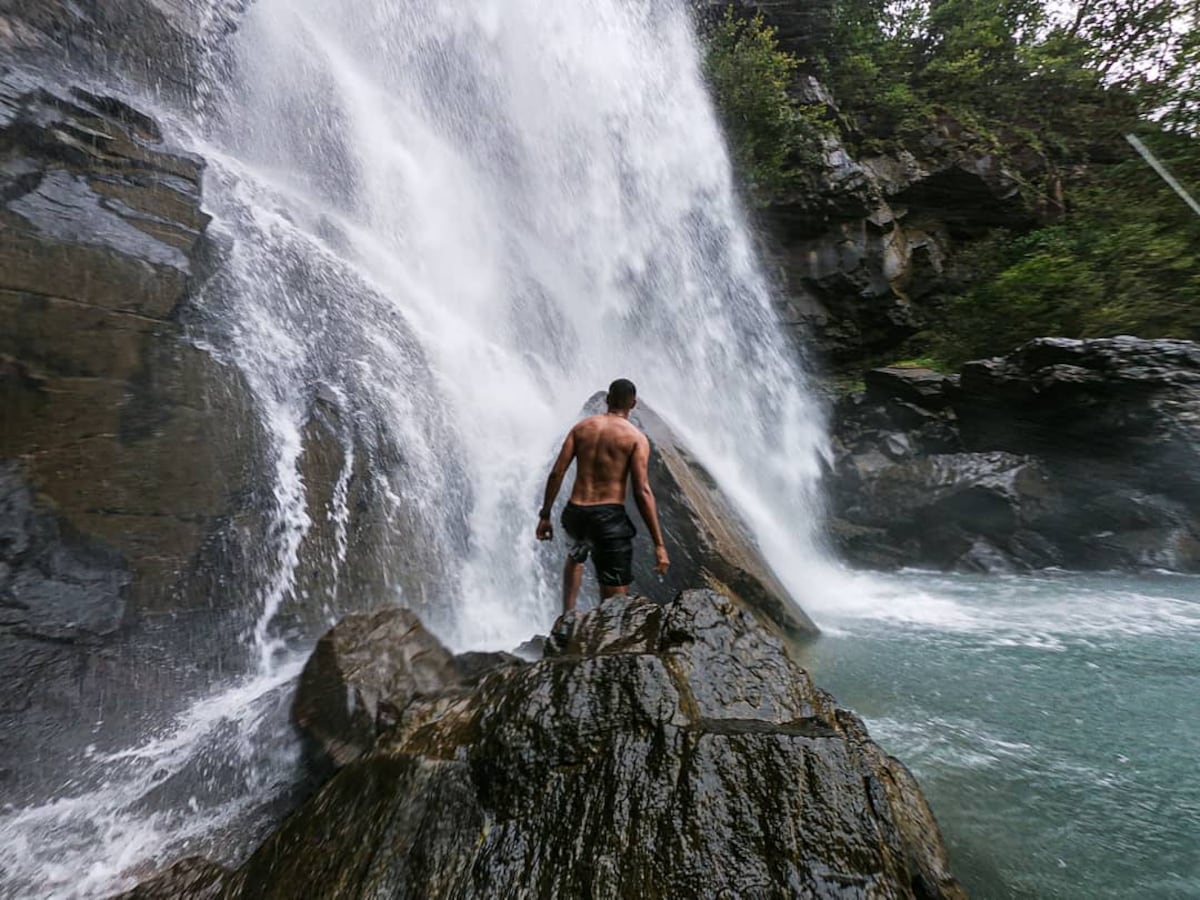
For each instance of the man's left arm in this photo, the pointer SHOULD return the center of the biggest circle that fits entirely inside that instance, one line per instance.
(644, 497)
(545, 530)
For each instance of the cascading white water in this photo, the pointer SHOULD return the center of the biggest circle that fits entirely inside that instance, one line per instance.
(514, 203)
(453, 222)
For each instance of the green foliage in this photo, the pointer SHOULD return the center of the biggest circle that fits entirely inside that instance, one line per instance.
(1175, 97)
(770, 137)
(1005, 65)
(1126, 262)
(1054, 87)
(921, 362)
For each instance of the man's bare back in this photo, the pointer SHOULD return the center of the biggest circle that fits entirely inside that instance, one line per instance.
(604, 449)
(608, 452)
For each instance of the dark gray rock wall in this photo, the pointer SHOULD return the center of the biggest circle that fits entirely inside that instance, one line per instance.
(128, 457)
(151, 43)
(1080, 454)
(868, 246)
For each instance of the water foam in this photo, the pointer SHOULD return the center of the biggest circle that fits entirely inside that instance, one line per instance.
(1047, 611)
(112, 824)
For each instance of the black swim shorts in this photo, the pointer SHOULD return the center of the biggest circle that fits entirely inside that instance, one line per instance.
(604, 531)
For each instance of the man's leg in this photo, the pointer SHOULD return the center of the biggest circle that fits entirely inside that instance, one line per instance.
(612, 590)
(614, 559)
(572, 579)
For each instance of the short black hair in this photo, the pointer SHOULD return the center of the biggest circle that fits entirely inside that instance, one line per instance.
(621, 394)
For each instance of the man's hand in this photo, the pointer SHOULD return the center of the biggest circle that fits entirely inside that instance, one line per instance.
(545, 530)
(661, 561)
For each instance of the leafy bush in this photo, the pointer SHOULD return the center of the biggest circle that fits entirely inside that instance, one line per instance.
(1127, 261)
(771, 138)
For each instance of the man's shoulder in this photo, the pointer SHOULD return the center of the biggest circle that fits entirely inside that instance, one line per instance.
(587, 423)
(609, 428)
(628, 433)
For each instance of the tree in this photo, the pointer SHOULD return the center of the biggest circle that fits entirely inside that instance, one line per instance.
(769, 135)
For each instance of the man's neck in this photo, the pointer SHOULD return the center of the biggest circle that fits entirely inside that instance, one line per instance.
(623, 413)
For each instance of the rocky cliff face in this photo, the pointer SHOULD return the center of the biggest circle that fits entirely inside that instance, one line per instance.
(1081, 454)
(151, 42)
(870, 242)
(127, 456)
(656, 751)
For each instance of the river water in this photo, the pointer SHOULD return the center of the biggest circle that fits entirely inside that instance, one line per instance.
(452, 222)
(1053, 721)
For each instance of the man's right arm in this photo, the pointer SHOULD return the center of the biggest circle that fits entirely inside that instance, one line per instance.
(644, 497)
(545, 531)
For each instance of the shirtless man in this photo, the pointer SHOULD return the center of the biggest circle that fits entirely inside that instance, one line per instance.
(607, 450)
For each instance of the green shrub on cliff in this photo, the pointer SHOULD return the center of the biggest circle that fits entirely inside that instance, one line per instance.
(1126, 261)
(1048, 88)
(770, 136)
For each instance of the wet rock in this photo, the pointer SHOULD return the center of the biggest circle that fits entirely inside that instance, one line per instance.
(128, 457)
(1124, 401)
(869, 243)
(154, 42)
(54, 585)
(958, 510)
(193, 878)
(137, 438)
(705, 536)
(1116, 421)
(921, 387)
(657, 751)
(365, 660)
(1065, 453)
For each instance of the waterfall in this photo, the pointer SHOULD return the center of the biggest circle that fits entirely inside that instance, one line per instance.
(466, 219)
(447, 224)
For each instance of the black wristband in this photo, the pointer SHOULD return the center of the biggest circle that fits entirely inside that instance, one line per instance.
(543, 513)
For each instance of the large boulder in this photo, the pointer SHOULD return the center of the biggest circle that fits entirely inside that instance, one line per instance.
(656, 751)
(1116, 422)
(964, 511)
(706, 538)
(365, 660)
(1128, 404)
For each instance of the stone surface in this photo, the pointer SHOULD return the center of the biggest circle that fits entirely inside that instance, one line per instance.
(1080, 454)
(657, 751)
(1129, 402)
(154, 42)
(868, 244)
(367, 659)
(54, 584)
(128, 457)
(134, 436)
(193, 878)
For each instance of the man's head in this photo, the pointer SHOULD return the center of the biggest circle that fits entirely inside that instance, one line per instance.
(622, 395)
